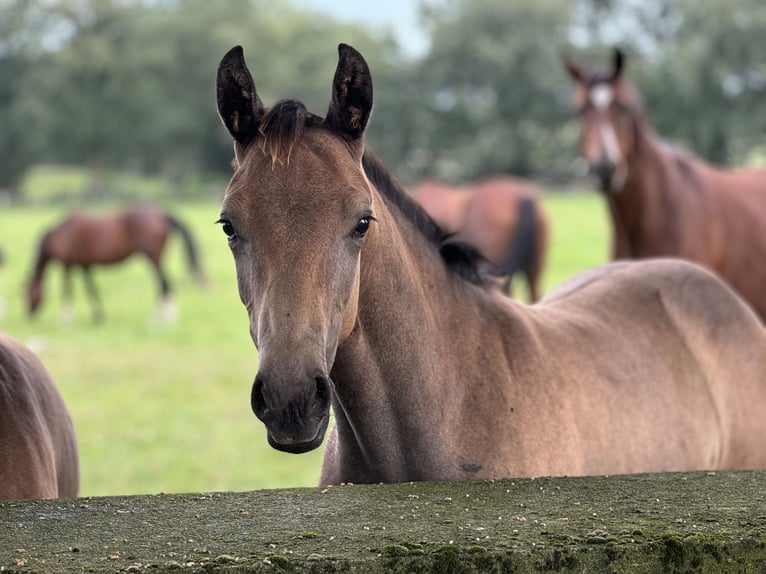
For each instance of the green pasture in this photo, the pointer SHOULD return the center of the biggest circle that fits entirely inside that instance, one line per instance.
(166, 407)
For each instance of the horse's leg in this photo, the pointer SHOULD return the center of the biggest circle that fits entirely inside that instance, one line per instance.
(98, 309)
(534, 293)
(507, 286)
(67, 308)
(168, 310)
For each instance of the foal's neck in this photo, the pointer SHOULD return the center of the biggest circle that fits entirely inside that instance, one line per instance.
(395, 376)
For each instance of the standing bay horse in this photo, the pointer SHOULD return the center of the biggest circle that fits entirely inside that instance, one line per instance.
(663, 201)
(501, 216)
(83, 240)
(38, 448)
(357, 303)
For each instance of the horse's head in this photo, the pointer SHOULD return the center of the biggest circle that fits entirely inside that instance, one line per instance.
(34, 296)
(296, 214)
(610, 111)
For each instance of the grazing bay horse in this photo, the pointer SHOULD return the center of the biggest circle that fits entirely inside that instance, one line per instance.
(662, 200)
(357, 302)
(501, 216)
(38, 448)
(83, 240)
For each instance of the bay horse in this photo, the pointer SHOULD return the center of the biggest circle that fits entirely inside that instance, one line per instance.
(356, 302)
(662, 200)
(84, 240)
(501, 216)
(38, 447)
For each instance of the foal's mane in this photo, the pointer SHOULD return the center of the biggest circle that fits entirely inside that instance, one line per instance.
(460, 257)
(283, 125)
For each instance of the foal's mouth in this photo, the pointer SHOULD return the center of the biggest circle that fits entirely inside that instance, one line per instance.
(297, 425)
(296, 446)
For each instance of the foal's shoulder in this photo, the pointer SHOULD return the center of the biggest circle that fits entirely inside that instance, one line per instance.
(583, 280)
(630, 278)
(643, 288)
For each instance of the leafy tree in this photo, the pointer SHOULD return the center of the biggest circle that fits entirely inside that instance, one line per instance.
(699, 66)
(494, 87)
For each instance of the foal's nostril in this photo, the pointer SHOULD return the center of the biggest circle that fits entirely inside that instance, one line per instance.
(257, 401)
(322, 390)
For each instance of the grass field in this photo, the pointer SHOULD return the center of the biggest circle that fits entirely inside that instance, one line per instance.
(165, 408)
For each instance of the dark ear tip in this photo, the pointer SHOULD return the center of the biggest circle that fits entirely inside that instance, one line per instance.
(344, 50)
(235, 53)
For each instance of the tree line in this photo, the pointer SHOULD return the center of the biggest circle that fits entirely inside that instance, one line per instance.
(129, 84)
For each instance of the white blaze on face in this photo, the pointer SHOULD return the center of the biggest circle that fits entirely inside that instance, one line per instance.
(602, 96)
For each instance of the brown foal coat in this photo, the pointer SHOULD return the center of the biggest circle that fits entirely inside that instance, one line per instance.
(354, 302)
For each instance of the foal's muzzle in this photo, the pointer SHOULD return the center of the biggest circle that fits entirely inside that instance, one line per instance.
(295, 422)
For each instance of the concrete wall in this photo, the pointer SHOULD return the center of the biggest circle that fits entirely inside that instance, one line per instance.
(696, 522)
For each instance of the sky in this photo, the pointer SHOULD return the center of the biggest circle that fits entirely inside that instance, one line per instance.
(401, 16)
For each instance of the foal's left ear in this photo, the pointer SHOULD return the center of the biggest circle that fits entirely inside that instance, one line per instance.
(351, 102)
(239, 106)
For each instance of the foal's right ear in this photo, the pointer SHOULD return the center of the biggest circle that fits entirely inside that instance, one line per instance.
(351, 101)
(239, 106)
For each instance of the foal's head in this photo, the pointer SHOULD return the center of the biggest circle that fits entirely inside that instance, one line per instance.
(610, 111)
(296, 214)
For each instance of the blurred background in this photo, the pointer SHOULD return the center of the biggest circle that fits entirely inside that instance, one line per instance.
(103, 102)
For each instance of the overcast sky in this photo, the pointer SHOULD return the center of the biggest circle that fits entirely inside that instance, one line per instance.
(401, 16)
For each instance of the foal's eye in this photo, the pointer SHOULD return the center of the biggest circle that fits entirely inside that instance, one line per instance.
(362, 226)
(228, 229)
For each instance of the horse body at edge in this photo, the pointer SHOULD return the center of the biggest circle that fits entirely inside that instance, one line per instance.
(38, 448)
(356, 303)
(663, 201)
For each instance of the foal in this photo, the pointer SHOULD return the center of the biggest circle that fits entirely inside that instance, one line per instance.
(356, 301)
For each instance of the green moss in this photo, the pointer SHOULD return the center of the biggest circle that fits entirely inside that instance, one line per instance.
(395, 550)
(688, 522)
(279, 563)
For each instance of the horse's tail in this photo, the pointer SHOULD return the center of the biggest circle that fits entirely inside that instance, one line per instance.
(523, 248)
(192, 253)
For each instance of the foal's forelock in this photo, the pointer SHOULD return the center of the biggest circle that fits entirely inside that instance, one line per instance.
(283, 125)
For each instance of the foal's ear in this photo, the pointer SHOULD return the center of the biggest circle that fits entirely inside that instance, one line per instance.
(239, 106)
(351, 102)
(618, 63)
(573, 68)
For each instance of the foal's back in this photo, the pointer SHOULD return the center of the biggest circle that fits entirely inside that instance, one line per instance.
(675, 358)
(38, 449)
